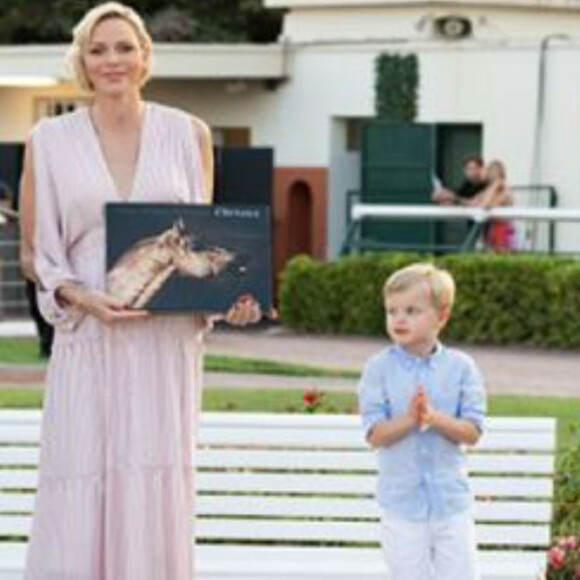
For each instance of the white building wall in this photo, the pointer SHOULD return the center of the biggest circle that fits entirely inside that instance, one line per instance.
(413, 21)
(17, 108)
(497, 88)
(490, 79)
(344, 176)
(560, 152)
(493, 85)
(15, 114)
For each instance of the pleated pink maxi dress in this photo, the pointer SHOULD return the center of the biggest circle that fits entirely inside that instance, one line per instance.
(115, 489)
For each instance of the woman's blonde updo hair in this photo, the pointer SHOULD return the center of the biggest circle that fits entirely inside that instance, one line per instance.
(498, 168)
(83, 31)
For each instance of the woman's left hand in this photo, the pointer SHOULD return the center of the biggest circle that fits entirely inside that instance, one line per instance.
(245, 310)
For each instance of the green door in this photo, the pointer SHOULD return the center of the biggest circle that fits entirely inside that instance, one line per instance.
(398, 165)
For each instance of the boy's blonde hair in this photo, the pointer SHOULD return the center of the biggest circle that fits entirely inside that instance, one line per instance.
(83, 31)
(439, 283)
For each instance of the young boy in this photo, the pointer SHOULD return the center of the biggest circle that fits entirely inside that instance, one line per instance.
(420, 402)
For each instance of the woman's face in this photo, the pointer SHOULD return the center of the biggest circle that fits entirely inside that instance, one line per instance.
(114, 60)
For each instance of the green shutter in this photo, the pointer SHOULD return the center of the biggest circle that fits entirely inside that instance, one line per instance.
(398, 165)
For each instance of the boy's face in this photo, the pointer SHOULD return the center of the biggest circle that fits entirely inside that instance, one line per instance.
(412, 320)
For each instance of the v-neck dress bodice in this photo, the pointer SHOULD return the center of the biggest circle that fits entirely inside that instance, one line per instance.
(114, 499)
(139, 157)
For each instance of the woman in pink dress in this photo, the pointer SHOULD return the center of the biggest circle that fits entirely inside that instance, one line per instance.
(115, 487)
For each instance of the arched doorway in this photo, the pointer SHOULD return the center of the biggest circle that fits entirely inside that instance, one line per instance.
(300, 219)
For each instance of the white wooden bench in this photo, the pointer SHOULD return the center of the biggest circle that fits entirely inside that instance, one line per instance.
(283, 497)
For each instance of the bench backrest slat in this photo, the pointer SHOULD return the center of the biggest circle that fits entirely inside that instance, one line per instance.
(312, 507)
(357, 532)
(207, 458)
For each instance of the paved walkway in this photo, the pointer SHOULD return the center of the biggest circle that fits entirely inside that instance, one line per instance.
(507, 370)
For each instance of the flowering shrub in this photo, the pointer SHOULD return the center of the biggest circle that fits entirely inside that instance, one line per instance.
(564, 559)
(312, 400)
(564, 555)
(567, 495)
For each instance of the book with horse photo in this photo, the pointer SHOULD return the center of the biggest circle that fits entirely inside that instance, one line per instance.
(188, 258)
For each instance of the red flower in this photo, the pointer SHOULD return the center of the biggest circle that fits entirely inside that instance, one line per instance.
(556, 557)
(568, 542)
(311, 396)
(312, 399)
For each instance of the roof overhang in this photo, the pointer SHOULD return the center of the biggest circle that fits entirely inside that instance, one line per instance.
(41, 65)
(570, 5)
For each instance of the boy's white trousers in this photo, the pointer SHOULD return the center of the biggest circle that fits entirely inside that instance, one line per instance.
(434, 550)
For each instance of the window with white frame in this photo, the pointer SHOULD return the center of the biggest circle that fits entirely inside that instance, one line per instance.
(54, 106)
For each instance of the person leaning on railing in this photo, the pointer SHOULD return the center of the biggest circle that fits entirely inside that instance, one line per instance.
(483, 187)
(499, 235)
(474, 182)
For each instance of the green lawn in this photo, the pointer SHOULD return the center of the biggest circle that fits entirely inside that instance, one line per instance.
(566, 410)
(25, 351)
(229, 364)
(19, 351)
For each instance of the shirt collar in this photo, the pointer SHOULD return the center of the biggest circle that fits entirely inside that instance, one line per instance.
(411, 361)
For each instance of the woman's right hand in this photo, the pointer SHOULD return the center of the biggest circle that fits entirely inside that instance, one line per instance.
(98, 304)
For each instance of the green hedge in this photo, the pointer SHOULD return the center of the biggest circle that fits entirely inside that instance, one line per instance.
(396, 82)
(501, 299)
(567, 490)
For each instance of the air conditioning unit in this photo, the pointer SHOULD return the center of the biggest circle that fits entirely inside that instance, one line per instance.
(453, 27)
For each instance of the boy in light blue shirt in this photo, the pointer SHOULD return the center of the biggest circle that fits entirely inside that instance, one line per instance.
(420, 403)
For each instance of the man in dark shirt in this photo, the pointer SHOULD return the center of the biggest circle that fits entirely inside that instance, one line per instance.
(474, 182)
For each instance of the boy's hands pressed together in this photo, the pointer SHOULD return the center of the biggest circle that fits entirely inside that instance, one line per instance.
(421, 414)
(415, 410)
(422, 410)
(423, 407)
(458, 430)
(428, 415)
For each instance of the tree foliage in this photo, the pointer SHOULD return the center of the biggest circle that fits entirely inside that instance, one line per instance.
(39, 21)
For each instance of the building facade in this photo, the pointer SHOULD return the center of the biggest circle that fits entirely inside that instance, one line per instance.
(512, 77)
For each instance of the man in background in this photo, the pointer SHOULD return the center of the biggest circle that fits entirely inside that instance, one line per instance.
(474, 182)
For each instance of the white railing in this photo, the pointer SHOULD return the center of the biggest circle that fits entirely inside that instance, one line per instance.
(478, 216)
